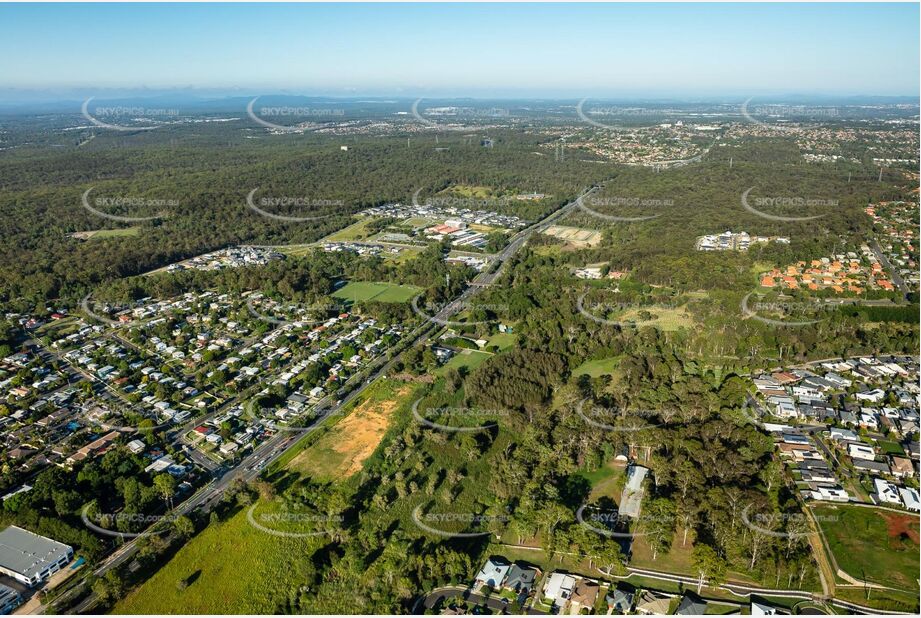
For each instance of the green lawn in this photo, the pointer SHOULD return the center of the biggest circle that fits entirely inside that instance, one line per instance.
(890, 448)
(872, 544)
(358, 291)
(595, 368)
(471, 359)
(503, 341)
(607, 481)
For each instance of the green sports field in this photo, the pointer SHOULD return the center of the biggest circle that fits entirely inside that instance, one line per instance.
(359, 291)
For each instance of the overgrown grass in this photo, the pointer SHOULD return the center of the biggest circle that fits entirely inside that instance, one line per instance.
(230, 567)
(344, 446)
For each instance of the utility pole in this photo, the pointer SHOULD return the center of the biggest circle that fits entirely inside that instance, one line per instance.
(730, 162)
(880, 179)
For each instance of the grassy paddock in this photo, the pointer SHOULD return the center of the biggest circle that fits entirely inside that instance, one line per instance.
(872, 544)
(230, 567)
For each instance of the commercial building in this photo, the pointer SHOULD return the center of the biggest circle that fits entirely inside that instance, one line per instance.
(30, 558)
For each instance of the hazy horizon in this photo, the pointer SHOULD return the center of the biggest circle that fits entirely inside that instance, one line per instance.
(480, 51)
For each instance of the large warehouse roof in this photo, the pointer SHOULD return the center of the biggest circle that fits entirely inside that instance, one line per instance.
(28, 554)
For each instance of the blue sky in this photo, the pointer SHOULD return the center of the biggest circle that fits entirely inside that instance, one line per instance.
(474, 50)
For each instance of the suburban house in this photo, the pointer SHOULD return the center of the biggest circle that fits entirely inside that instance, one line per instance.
(901, 466)
(880, 467)
(691, 606)
(873, 396)
(910, 499)
(886, 491)
(585, 593)
(559, 588)
(833, 494)
(493, 572)
(861, 451)
(521, 578)
(843, 435)
(619, 601)
(760, 609)
(651, 604)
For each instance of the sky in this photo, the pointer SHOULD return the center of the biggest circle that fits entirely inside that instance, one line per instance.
(466, 50)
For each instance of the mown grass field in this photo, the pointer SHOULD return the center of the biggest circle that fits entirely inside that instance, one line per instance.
(231, 567)
(503, 341)
(872, 544)
(471, 359)
(359, 291)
